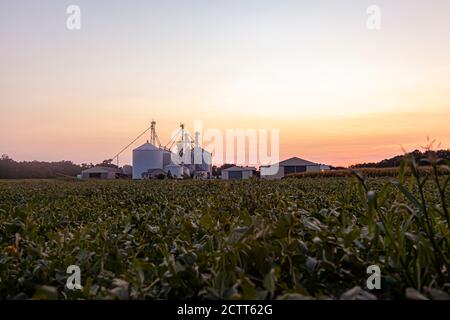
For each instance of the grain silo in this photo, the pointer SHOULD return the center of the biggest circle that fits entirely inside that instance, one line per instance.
(201, 161)
(152, 155)
(146, 157)
(167, 158)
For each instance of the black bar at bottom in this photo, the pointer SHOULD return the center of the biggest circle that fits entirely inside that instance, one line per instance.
(129, 310)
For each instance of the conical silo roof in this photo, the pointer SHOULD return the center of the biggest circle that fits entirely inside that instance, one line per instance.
(147, 146)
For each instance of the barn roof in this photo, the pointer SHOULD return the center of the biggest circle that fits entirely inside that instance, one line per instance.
(236, 168)
(295, 161)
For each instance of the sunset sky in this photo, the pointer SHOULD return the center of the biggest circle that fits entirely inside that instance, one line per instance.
(339, 93)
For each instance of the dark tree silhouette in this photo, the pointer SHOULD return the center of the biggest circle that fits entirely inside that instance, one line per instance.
(10, 169)
(395, 161)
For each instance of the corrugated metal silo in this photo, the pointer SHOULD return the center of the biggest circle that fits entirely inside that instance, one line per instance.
(167, 158)
(206, 160)
(146, 157)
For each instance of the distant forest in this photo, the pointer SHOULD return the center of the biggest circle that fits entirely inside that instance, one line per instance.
(10, 169)
(395, 161)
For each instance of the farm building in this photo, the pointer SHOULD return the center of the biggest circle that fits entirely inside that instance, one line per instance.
(99, 172)
(127, 170)
(154, 174)
(292, 165)
(152, 155)
(238, 173)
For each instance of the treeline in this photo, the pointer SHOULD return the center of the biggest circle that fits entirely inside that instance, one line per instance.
(10, 169)
(395, 161)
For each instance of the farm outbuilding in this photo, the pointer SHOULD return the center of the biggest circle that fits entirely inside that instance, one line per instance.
(100, 172)
(154, 174)
(289, 166)
(238, 173)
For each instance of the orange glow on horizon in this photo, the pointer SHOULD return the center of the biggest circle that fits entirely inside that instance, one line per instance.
(339, 93)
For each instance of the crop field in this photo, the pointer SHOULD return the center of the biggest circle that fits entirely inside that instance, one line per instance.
(288, 239)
